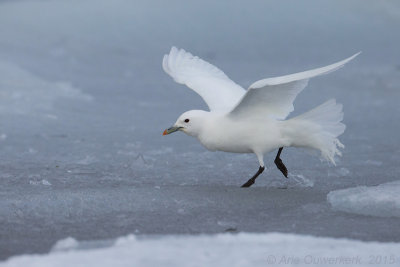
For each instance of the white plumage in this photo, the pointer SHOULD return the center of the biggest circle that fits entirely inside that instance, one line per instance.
(253, 121)
(212, 84)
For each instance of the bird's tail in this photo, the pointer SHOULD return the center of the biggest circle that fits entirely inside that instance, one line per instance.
(319, 129)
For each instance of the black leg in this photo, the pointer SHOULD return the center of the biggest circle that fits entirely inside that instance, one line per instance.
(279, 163)
(253, 179)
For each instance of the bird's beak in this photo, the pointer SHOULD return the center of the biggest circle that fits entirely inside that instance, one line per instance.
(171, 130)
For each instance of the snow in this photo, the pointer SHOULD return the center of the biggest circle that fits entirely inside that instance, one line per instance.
(244, 249)
(19, 97)
(382, 200)
(84, 100)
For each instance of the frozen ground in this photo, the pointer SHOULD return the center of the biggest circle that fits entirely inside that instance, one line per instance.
(83, 103)
(217, 250)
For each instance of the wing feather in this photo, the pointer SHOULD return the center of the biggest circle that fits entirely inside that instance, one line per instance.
(218, 91)
(274, 97)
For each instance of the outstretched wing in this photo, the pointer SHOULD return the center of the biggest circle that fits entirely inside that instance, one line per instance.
(217, 90)
(274, 97)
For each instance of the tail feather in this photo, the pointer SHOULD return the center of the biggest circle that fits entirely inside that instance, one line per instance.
(319, 129)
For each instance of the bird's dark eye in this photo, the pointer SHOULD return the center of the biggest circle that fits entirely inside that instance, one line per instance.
(186, 120)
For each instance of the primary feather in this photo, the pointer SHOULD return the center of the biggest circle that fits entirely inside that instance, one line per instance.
(218, 91)
(274, 97)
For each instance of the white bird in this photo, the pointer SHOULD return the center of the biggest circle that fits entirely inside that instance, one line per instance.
(253, 121)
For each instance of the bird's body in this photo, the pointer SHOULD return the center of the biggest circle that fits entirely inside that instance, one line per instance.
(254, 121)
(246, 138)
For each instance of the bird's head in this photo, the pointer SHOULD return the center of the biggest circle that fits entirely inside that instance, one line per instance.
(190, 122)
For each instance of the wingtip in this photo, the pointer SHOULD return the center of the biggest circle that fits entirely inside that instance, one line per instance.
(175, 50)
(353, 56)
(356, 54)
(340, 64)
(165, 63)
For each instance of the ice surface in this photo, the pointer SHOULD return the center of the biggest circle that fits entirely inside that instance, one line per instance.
(84, 100)
(242, 249)
(382, 200)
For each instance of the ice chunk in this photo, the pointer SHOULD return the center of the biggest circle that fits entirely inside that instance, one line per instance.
(66, 244)
(243, 249)
(374, 162)
(125, 240)
(41, 182)
(382, 200)
(343, 172)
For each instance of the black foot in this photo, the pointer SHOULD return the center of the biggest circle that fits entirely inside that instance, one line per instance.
(281, 167)
(279, 163)
(251, 181)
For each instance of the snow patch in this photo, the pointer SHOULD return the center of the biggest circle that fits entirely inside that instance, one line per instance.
(301, 181)
(293, 181)
(339, 172)
(382, 200)
(88, 159)
(23, 93)
(243, 249)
